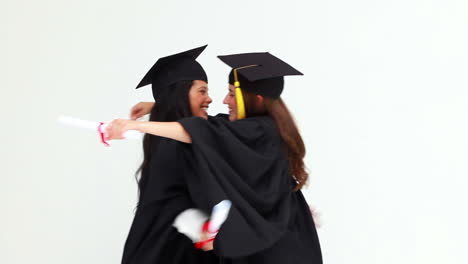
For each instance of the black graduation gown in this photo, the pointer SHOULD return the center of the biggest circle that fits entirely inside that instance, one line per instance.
(152, 238)
(243, 161)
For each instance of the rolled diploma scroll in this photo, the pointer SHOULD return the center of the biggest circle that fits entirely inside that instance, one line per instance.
(219, 215)
(92, 125)
(191, 221)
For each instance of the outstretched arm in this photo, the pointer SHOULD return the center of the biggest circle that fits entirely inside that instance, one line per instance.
(172, 130)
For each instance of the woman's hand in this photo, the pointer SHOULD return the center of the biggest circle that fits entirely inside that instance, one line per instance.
(209, 245)
(116, 128)
(141, 109)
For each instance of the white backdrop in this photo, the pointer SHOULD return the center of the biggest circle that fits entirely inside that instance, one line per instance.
(382, 107)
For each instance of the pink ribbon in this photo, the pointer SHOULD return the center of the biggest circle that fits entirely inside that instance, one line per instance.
(101, 134)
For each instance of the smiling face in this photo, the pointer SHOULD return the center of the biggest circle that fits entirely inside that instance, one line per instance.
(230, 100)
(199, 98)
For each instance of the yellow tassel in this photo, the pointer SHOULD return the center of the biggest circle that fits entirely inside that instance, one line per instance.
(239, 97)
(240, 104)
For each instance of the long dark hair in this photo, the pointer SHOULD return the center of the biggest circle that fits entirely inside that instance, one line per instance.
(287, 128)
(173, 104)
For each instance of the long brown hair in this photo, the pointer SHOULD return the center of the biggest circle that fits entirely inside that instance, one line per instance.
(287, 128)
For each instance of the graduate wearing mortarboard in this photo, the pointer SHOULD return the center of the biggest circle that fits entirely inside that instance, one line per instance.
(254, 158)
(179, 83)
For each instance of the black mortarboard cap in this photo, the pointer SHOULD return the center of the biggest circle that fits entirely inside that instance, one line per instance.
(171, 69)
(260, 73)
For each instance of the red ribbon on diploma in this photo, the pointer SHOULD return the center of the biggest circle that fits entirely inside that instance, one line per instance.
(101, 134)
(200, 244)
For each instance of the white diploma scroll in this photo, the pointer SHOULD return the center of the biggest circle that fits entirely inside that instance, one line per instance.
(191, 221)
(219, 215)
(95, 126)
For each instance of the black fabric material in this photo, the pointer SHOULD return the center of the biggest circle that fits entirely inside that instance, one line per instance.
(243, 161)
(171, 69)
(261, 72)
(272, 87)
(152, 239)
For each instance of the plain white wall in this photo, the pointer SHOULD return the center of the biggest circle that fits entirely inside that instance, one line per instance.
(382, 108)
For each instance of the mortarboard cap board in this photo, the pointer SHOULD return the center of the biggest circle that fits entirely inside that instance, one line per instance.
(171, 69)
(260, 73)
